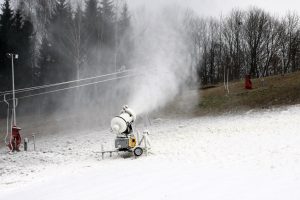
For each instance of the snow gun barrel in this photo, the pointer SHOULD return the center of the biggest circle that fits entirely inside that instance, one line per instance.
(121, 124)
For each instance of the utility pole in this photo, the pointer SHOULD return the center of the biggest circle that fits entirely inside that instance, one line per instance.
(13, 56)
(15, 140)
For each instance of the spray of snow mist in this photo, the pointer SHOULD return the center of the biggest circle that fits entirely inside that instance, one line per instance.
(162, 53)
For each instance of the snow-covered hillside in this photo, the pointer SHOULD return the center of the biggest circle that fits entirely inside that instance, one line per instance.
(255, 155)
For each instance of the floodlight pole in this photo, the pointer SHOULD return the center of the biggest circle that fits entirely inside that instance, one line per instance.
(13, 56)
(13, 88)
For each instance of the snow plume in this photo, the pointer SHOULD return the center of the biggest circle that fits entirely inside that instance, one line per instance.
(161, 51)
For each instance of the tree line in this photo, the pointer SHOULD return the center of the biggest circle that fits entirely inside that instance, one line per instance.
(244, 42)
(59, 41)
(16, 36)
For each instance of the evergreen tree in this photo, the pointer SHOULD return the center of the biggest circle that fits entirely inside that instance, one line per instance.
(45, 61)
(16, 33)
(6, 21)
(108, 37)
(108, 23)
(78, 40)
(92, 21)
(125, 19)
(124, 38)
(22, 43)
(91, 24)
(56, 56)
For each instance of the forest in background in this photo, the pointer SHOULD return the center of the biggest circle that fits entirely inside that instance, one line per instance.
(244, 42)
(63, 40)
(59, 40)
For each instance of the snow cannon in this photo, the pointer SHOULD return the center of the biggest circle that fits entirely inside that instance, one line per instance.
(126, 139)
(122, 124)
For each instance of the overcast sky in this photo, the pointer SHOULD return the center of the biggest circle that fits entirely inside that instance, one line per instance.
(216, 7)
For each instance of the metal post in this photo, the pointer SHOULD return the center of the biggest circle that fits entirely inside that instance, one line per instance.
(138, 136)
(33, 139)
(13, 90)
(145, 142)
(26, 144)
(102, 151)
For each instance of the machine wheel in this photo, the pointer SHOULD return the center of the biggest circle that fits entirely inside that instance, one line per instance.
(138, 151)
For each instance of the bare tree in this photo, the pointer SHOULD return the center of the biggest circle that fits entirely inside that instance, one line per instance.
(256, 26)
(289, 42)
(232, 33)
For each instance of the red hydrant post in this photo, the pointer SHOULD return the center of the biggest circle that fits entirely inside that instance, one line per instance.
(248, 82)
(15, 140)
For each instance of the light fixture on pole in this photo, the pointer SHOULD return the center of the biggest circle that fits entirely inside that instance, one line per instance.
(15, 139)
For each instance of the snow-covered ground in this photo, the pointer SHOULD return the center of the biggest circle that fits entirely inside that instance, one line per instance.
(255, 155)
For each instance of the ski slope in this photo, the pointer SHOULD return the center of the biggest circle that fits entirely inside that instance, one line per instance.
(254, 155)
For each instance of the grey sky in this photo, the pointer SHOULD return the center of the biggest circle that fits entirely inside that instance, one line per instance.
(216, 7)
